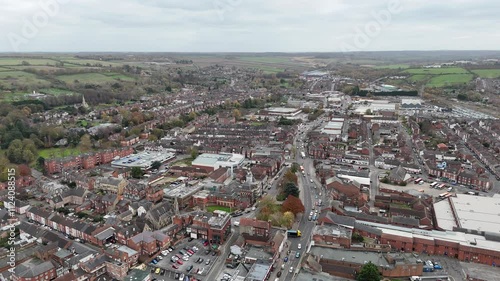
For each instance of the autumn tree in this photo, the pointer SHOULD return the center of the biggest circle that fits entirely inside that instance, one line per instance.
(287, 219)
(292, 204)
(85, 143)
(236, 114)
(290, 177)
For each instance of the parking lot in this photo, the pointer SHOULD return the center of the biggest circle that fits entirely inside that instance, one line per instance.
(199, 262)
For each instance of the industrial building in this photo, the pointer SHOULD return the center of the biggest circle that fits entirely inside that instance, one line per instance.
(211, 162)
(469, 213)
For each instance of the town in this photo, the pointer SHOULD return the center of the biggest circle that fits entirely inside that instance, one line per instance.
(227, 172)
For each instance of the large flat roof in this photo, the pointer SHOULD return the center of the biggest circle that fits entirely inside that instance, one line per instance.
(218, 160)
(144, 160)
(477, 212)
(444, 215)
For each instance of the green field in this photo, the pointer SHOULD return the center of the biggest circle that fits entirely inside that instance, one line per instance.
(393, 66)
(487, 73)
(4, 69)
(21, 77)
(221, 208)
(56, 91)
(449, 79)
(31, 61)
(419, 77)
(58, 152)
(94, 78)
(269, 69)
(437, 71)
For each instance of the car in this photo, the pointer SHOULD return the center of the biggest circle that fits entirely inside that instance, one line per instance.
(159, 257)
(299, 246)
(291, 269)
(189, 268)
(201, 271)
(185, 258)
(195, 248)
(207, 252)
(205, 243)
(177, 275)
(181, 277)
(214, 253)
(154, 261)
(207, 262)
(162, 272)
(157, 271)
(171, 248)
(285, 259)
(297, 255)
(164, 252)
(190, 252)
(174, 259)
(180, 262)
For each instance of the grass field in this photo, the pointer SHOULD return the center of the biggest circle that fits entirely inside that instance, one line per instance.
(31, 61)
(487, 73)
(94, 78)
(58, 152)
(419, 77)
(21, 77)
(221, 208)
(449, 79)
(437, 71)
(393, 66)
(56, 91)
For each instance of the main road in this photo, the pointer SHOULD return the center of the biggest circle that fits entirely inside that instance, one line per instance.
(309, 196)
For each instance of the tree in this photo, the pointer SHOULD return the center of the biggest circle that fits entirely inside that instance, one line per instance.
(295, 168)
(290, 177)
(291, 189)
(287, 219)
(369, 272)
(368, 112)
(156, 165)
(292, 204)
(137, 173)
(85, 143)
(194, 153)
(236, 114)
(24, 170)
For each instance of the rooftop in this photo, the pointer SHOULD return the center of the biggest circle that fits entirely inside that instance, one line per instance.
(144, 159)
(218, 160)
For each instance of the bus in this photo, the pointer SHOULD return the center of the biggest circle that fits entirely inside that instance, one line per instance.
(417, 181)
(434, 184)
(294, 233)
(444, 195)
(441, 186)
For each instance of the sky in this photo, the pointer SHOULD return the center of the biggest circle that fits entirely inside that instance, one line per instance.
(247, 25)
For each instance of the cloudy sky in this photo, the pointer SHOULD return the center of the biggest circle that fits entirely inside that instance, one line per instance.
(248, 25)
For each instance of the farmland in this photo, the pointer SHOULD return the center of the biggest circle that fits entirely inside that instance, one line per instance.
(437, 71)
(449, 79)
(487, 73)
(419, 77)
(94, 78)
(26, 61)
(7, 78)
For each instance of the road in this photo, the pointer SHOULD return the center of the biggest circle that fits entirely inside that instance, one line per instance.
(308, 196)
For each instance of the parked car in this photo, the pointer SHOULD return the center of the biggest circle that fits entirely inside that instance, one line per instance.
(291, 269)
(180, 262)
(207, 262)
